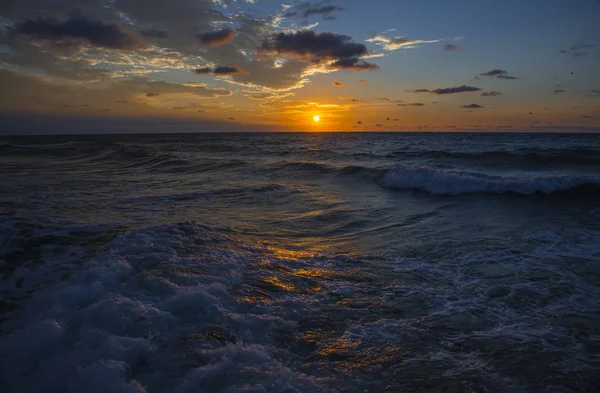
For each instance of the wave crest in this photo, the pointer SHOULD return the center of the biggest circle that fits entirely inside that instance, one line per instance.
(453, 182)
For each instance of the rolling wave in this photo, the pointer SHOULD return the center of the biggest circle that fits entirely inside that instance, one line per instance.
(454, 182)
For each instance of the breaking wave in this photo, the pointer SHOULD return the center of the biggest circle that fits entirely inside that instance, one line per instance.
(454, 182)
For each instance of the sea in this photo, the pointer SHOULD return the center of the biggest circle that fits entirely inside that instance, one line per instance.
(300, 262)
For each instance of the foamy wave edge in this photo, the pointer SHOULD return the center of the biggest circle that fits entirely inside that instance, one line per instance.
(438, 181)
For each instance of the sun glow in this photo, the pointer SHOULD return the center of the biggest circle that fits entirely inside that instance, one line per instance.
(316, 118)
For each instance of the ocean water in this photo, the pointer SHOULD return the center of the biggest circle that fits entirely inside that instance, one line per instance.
(300, 263)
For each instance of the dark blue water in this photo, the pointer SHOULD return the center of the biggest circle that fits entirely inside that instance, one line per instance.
(300, 263)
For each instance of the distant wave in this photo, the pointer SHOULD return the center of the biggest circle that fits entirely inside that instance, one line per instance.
(322, 168)
(453, 182)
(539, 156)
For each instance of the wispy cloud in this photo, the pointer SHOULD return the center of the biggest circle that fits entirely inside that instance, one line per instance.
(350, 99)
(412, 104)
(491, 93)
(387, 99)
(451, 48)
(557, 91)
(337, 84)
(472, 106)
(418, 91)
(396, 43)
(577, 50)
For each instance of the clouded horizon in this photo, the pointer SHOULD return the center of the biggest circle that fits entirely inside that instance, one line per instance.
(377, 65)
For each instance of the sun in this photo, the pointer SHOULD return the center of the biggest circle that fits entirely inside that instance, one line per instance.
(316, 118)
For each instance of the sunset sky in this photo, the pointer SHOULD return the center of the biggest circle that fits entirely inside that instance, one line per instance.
(360, 65)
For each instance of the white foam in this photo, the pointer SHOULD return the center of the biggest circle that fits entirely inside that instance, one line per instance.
(453, 182)
(133, 319)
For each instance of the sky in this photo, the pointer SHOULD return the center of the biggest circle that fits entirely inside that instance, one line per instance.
(266, 65)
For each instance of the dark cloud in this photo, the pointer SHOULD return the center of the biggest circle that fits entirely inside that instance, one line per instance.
(491, 93)
(307, 9)
(472, 106)
(497, 73)
(412, 104)
(337, 84)
(151, 94)
(494, 72)
(558, 91)
(354, 64)
(451, 47)
(79, 27)
(121, 101)
(457, 89)
(363, 81)
(418, 91)
(595, 91)
(219, 70)
(154, 33)
(359, 122)
(337, 50)
(216, 38)
(587, 117)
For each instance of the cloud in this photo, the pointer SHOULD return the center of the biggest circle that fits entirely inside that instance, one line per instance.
(336, 51)
(418, 91)
(454, 90)
(451, 47)
(595, 91)
(472, 106)
(359, 122)
(363, 81)
(79, 27)
(216, 38)
(494, 72)
(497, 73)
(154, 33)
(350, 99)
(387, 99)
(151, 94)
(395, 43)
(219, 70)
(337, 84)
(412, 104)
(307, 9)
(577, 50)
(354, 64)
(558, 91)
(491, 93)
